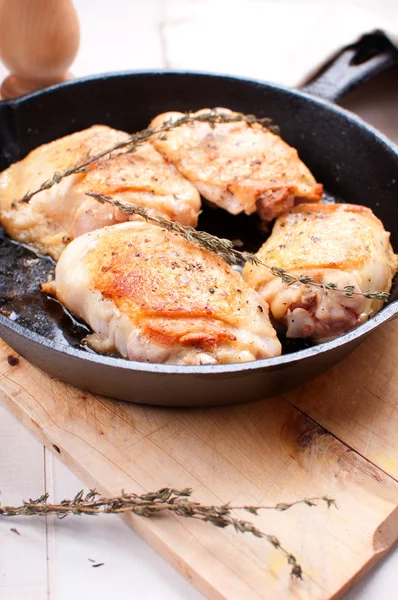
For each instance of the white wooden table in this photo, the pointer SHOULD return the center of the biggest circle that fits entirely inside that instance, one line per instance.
(50, 559)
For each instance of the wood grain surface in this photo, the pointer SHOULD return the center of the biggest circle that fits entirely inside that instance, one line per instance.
(260, 452)
(357, 400)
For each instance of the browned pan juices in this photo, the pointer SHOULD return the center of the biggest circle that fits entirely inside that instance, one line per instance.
(21, 300)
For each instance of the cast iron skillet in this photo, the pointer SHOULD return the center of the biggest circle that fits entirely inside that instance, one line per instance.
(354, 161)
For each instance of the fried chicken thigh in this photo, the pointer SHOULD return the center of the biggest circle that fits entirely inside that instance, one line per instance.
(149, 295)
(340, 243)
(56, 216)
(239, 167)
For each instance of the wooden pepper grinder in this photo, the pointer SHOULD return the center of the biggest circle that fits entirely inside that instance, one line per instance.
(39, 40)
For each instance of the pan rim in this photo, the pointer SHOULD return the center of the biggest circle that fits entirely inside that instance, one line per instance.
(328, 104)
(386, 314)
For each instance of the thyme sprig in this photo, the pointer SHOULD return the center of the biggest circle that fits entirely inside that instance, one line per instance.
(135, 140)
(226, 250)
(164, 500)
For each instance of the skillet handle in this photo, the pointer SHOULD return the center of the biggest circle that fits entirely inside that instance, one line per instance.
(352, 66)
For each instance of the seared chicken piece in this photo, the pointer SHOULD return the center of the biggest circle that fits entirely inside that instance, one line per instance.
(150, 295)
(56, 216)
(238, 167)
(340, 243)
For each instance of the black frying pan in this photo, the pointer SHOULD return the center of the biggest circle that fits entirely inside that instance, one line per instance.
(354, 161)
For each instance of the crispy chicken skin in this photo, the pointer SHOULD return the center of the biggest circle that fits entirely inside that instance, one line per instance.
(56, 216)
(340, 243)
(238, 167)
(150, 295)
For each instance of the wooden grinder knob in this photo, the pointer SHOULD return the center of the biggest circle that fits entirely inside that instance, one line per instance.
(39, 40)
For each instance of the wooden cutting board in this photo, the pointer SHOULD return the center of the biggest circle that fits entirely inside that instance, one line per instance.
(337, 435)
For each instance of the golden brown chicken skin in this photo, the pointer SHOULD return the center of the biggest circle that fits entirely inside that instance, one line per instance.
(340, 243)
(56, 216)
(238, 167)
(150, 295)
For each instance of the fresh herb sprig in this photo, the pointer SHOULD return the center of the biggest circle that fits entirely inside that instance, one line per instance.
(164, 500)
(226, 250)
(136, 140)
